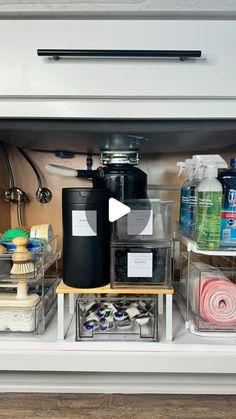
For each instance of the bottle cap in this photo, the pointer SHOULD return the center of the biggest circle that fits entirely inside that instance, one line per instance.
(233, 162)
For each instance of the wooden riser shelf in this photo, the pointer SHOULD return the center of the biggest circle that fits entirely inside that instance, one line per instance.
(64, 289)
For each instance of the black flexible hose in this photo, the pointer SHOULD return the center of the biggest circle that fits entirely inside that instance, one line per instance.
(11, 180)
(28, 159)
(20, 218)
(8, 164)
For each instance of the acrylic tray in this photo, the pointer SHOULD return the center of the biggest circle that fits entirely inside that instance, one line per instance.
(192, 246)
(94, 314)
(209, 293)
(140, 266)
(32, 316)
(149, 221)
(41, 257)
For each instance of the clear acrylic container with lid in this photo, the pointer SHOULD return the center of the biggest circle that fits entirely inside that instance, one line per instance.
(149, 221)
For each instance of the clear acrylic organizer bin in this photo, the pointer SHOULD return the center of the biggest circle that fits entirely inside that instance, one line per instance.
(140, 266)
(117, 318)
(31, 314)
(150, 220)
(28, 301)
(41, 256)
(209, 293)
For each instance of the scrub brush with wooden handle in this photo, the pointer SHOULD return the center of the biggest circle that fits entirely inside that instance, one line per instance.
(21, 257)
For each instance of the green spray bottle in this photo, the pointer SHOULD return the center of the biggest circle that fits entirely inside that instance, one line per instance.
(209, 202)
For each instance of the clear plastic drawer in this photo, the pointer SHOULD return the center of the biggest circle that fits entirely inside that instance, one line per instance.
(117, 318)
(140, 266)
(29, 313)
(150, 220)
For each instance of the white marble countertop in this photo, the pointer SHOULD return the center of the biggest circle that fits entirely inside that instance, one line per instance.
(158, 9)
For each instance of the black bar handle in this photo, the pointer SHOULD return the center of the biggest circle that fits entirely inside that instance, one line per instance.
(107, 53)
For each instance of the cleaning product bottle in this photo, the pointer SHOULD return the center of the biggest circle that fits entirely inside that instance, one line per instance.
(182, 167)
(199, 161)
(185, 196)
(228, 211)
(198, 171)
(209, 201)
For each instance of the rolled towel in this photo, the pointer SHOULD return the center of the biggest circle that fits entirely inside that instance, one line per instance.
(212, 295)
(217, 303)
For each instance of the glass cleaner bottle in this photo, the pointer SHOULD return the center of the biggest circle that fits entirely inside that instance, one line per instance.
(228, 211)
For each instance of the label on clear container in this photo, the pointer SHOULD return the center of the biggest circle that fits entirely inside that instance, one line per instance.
(140, 222)
(140, 265)
(84, 223)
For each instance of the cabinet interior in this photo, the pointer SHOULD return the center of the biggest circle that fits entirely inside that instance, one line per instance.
(168, 142)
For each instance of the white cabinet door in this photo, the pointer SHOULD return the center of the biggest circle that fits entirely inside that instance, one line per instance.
(24, 74)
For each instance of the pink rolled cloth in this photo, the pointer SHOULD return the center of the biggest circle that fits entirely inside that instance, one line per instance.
(217, 300)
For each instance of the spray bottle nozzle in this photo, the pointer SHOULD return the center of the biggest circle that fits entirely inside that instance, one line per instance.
(181, 166)
(184, 165)
(208, 164)
(202, 165)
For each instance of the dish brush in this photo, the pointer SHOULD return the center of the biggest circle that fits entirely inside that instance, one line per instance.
(21, 257)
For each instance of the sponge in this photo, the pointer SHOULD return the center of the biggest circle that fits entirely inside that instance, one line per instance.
(3, 249)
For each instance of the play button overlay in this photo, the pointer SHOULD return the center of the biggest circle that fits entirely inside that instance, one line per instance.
(117, 209)
(138, 222)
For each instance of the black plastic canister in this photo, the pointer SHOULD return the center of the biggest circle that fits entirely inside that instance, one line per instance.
(86, 237)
